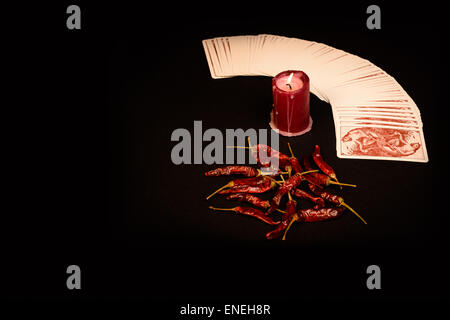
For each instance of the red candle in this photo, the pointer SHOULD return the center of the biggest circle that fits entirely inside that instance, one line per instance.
(290, 114)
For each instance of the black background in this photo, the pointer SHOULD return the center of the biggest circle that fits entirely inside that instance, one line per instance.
(92, 182)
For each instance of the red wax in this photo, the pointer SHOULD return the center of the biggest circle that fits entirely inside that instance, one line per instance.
(290, 114)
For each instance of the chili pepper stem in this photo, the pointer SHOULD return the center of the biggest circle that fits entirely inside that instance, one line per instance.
(343, 184)
(292, 154)
(229, 184)
(221, 209)
(349, 208)
(335, 179)
(277, 182)
(309, 171)
(294, 218)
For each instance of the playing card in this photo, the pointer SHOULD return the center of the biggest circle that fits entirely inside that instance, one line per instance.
(239, 49)
(209, 59)
(385, 113)
(365, 110)
(258, 67)
(223, 58)
(413, 121)
(381, 143)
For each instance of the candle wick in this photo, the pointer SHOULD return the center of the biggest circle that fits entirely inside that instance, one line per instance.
(288, 83)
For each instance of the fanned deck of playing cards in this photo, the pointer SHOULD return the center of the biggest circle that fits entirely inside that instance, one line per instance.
(374, 117)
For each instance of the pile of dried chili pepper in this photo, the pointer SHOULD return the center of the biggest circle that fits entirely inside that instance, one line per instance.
(326, 204)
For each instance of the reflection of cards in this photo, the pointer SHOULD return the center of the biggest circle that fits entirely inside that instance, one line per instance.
(362, 95)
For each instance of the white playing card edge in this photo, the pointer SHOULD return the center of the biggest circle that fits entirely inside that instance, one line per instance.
(341, 156)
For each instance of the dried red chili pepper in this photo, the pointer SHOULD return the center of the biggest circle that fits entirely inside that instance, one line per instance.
(289, 185)
(320, 179)
(263, 154)
(293, 161)
(268, 154)
(320, 162)
(312, 177)
(295, 164)
(318, 201)
(258, 202)
(291, 206)
(262, 181)
(314, 215)
(254, 200)
(261, 188)
(228, 170)
(248, 211)
(330, 197)
(334, 199)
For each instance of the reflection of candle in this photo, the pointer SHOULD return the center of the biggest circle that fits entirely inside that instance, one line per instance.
(290, 114)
